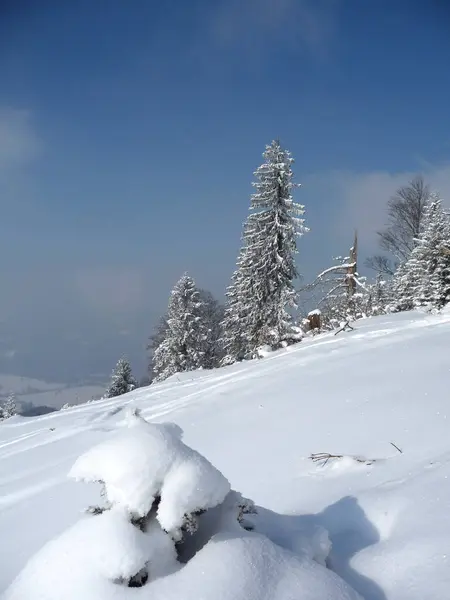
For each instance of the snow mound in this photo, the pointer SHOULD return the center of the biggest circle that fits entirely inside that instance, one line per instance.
(250, 567)
(156, 485)
(90, 560)
(147, 462)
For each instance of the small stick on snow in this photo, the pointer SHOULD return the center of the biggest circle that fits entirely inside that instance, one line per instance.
(396, 447)
(324, 457)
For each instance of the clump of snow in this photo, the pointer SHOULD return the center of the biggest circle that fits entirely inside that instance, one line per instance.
(90, 561)
(148, 462)
(316, 311)
(264, 351)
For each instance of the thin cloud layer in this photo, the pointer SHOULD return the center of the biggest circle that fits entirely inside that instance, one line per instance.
(19, 142)
(250, 24)
(111, 290)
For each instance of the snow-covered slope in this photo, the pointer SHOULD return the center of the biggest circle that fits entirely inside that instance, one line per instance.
(352, 394)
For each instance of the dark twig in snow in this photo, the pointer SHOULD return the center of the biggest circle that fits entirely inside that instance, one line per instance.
(396, 447)
(325, 457)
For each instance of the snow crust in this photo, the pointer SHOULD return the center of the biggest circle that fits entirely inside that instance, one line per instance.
(148, 460)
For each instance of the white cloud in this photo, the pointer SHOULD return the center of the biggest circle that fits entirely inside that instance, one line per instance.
(18, 140)
(339, 202)
(365, 195)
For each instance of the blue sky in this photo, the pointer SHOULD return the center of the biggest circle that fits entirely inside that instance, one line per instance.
(129, 132)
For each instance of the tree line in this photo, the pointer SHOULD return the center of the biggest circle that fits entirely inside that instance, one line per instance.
(261, 307)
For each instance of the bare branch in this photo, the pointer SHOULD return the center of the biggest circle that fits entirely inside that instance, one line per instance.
(396, 447)
(380, 264)
(324, 457)
(405, 213)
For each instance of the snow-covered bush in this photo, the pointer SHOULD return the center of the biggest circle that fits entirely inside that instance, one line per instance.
(171, 527)
(148, 466)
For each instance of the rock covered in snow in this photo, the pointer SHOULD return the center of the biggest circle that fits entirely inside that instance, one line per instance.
(147, 462)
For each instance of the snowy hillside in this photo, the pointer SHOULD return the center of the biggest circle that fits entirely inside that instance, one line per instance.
(354, 394)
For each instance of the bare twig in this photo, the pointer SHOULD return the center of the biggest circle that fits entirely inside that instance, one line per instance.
(325, 457)
(396, 447)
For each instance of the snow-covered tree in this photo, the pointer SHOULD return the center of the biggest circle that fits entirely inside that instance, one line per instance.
(212, 313)
(122, 380)
(9, 408)
(424, 279)
(262, 289)
(235, 324)
(183, 346)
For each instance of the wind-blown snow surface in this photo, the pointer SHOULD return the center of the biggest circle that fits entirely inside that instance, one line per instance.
(352, 394)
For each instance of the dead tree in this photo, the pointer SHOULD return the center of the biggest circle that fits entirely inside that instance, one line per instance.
(343, 292)
(405, 214)
(352, 269)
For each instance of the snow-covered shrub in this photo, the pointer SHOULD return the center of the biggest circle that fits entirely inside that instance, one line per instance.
(171, 527)
(148, 466)
(155, 490)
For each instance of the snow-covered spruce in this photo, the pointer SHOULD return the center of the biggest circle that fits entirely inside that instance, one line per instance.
(9, 407)
(122, 380)
(209, 313)
(424, 279)
(186, 336)
(262, 288)
(212, 316)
